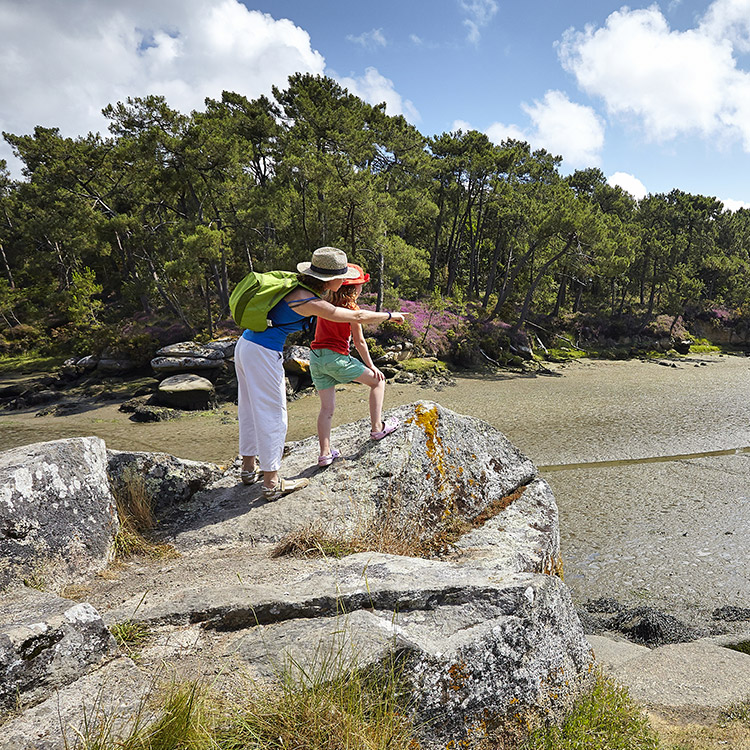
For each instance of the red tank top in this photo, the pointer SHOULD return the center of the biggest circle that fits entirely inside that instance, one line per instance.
(331, 335)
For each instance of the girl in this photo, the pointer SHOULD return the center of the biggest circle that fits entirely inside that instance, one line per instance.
(331, 363)
(258, 361)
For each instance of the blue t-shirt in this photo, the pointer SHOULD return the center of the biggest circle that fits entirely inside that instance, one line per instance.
(285, 321)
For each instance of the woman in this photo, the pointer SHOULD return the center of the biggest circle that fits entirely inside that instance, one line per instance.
(259, 362)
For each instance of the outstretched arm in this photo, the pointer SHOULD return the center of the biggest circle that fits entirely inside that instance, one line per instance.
(322, 309)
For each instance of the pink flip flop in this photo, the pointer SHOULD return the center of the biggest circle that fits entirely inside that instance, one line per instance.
(329, 459)
(389, 426)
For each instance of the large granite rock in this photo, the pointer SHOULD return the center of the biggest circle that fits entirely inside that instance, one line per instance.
(168, 480)
(47, 642)
(187, 391)
(482, 629)
(187, 357)
(57, 515)
(109, 697)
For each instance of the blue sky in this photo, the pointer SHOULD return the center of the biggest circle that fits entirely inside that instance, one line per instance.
(655, 94)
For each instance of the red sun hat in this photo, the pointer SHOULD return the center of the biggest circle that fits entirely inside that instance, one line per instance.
(361, 278)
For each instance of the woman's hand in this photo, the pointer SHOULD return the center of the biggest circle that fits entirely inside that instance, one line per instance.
(398, 317)
(378, 375)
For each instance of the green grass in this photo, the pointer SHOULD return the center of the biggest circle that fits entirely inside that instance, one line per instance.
(607, 719)
(743, 647)
(353, 710)
(130, 636)
(704, 346)
(29, 362)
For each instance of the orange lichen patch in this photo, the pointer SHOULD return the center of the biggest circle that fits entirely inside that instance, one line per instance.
(428, 420)
(458, 675)
(554, 567)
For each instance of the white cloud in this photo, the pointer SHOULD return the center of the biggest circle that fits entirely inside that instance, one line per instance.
(461, 125)
(560, 126)
(728, 19)
(499, 132)
(672, 82)
(369, 39)
(376, 88)
(571, 130)
(479, 13)
(629, 183)
(60, 63)
(733, 205)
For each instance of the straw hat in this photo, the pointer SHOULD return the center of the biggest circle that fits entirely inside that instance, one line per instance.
(328, 263)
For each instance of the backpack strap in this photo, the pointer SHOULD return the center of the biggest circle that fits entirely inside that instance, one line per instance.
(295, 302)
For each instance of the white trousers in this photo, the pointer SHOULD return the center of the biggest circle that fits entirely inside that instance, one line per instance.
(261, 403)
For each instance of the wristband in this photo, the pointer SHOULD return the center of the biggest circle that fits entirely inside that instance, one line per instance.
(389, 316)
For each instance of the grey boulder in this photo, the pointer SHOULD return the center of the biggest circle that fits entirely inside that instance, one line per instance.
(47, 642)
(187, 391)
(58, 517)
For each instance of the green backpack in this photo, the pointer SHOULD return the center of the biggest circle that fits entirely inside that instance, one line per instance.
(256, 294)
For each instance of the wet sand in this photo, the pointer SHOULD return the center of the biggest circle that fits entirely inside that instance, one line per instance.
(649, 514)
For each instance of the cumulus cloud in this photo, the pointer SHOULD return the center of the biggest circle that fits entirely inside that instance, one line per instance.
(571, 130)
(629, 183)
(61, 63)
(478, 14)
(499, 132)
(375, 88)
(672, 82)
(733, 205)
(369, 39)
(558, 125)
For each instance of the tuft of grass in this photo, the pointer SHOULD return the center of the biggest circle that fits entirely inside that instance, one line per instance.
(704, 346)
(304, 710)
(740, 712)
(137, 522)
(333, 706)
(606, 719)
(130, 635)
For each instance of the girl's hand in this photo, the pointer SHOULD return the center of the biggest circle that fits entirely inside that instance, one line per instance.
(398, 317)
(378, 375)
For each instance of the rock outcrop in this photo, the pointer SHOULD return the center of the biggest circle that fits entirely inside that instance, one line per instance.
(45, 643)
(187, 391)
(57, 513)
(441, 548)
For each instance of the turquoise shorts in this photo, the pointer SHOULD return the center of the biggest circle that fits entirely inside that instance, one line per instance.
(328, 368)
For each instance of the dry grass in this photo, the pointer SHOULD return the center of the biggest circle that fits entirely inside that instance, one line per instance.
(136, 514)
(390, 532)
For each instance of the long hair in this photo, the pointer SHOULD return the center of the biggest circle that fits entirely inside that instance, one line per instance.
(345, 297)
(316, 285)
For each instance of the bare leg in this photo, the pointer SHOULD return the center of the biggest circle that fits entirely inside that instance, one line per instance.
(248, 463)
(377, 394)
(325, 419)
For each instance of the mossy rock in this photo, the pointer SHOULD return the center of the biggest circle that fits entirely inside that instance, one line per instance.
(421, 365)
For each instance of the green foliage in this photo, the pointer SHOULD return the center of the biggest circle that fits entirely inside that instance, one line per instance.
(169, 211)
(607, 719)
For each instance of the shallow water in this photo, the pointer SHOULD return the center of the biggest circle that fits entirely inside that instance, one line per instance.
(647, 463)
